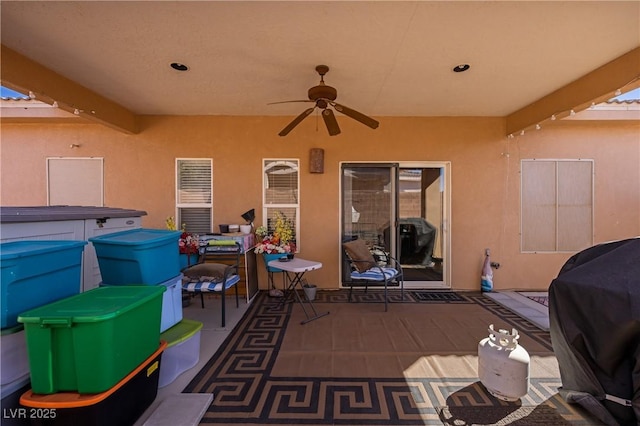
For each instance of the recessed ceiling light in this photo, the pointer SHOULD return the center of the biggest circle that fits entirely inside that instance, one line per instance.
(178, 66)
(461, 68)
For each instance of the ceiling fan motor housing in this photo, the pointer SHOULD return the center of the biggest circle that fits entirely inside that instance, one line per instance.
(322, 91)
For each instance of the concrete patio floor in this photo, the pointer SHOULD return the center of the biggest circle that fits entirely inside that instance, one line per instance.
(518, 302)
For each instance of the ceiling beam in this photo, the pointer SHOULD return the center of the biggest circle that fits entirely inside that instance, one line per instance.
(598, 86)
(20, 73)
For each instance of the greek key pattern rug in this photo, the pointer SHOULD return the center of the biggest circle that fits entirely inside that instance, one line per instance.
(538, 297)
(249, 387)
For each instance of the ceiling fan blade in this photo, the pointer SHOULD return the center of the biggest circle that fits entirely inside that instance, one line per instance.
(286, 102)
(367, 121)
(331, 122)
(296, 121)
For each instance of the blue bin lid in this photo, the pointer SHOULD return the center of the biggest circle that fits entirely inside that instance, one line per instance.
(17, 249)
(137, 236)
(99, 304)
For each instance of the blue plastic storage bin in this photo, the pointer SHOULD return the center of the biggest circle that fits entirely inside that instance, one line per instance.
(171, 302)
(35, 273)
(138, 256)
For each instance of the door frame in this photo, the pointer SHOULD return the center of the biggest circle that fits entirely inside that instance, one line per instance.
(446, 220)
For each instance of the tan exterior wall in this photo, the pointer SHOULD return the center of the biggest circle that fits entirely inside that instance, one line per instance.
(485, 204)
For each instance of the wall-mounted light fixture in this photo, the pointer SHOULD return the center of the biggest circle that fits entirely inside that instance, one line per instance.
(316, 160)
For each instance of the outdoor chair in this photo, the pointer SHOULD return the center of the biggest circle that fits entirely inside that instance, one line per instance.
(366, 270)
(215, 272)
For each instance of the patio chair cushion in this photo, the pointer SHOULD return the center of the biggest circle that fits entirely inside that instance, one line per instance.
(359, 253)
(375, 274)
(209, 286)
(205, 272)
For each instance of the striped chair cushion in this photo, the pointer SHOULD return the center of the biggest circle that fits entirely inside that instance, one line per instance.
(209, 286)
(374, 274)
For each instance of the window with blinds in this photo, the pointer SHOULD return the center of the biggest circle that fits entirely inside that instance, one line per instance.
(194, 200)
(281, 183)
(557, 205)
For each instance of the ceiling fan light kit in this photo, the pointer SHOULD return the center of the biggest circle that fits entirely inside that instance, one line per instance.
(324, 97)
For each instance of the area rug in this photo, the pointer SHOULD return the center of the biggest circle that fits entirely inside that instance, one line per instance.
(538, 297)
(413, 365)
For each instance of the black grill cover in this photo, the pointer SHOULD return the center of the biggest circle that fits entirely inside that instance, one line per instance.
(594, 317)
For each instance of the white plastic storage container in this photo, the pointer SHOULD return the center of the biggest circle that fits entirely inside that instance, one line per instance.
(183, 350)
(15, 363)
(10, 394)
(171, 303)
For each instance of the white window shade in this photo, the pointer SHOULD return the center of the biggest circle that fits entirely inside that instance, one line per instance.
(194, 198)
(194, 181)
(281, 183)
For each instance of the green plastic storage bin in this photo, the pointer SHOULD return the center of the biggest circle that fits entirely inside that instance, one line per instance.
(89, 342)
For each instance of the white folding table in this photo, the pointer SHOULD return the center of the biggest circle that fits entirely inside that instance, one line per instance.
(297, 267)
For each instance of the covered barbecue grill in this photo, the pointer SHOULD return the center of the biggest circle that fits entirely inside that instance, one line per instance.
(594, 313)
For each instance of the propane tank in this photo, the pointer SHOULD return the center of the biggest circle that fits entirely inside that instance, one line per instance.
(503, 365)
(486, 278)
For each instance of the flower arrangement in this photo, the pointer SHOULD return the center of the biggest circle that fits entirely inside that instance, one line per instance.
(280, 240)
(188, 243)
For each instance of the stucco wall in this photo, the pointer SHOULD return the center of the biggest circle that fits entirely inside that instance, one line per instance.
(139, 174)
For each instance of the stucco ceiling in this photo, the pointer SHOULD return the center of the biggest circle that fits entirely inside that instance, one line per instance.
(386, 58)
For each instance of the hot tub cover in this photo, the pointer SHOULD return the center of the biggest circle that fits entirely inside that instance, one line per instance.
(594, 315)
(9, 214)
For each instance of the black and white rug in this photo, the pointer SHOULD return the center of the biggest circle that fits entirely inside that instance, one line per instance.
(273, 370)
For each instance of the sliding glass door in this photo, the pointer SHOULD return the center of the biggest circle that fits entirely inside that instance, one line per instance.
(421, 225)
(401, 208)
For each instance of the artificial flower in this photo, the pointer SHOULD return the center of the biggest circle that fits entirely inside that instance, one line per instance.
(280, 240)
(188, 243)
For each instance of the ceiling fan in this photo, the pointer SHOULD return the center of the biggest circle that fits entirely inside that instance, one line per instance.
(324, 96)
